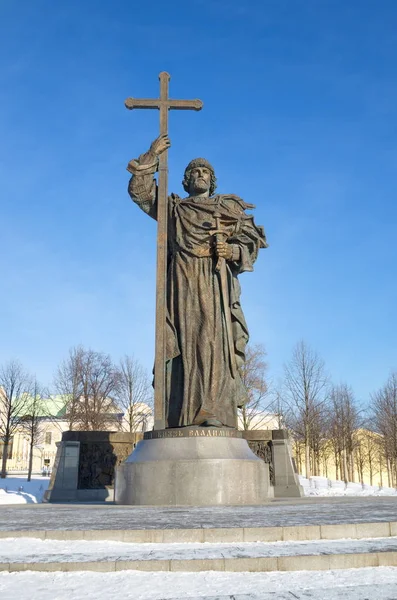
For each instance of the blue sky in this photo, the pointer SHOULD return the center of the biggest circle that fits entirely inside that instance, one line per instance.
(300, 118)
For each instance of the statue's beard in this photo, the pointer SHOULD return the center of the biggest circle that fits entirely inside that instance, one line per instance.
(199, 187)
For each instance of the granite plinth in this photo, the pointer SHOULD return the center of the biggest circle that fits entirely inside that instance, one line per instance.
(85, 463)
(199, 467)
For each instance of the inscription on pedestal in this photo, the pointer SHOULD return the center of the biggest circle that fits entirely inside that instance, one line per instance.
(190, 432)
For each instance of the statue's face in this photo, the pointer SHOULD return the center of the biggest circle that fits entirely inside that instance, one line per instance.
(200, 180)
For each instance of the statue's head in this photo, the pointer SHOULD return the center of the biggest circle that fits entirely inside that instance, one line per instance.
(199, 177)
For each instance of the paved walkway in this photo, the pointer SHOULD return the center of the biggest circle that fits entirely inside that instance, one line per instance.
(305, 511)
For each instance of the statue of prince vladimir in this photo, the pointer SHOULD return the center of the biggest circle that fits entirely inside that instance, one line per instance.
(211, 239)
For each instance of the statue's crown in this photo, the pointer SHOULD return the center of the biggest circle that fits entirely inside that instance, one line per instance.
(199, 162)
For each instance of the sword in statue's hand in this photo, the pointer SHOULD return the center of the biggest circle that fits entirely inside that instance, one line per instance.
(220, 267)
(220, 236)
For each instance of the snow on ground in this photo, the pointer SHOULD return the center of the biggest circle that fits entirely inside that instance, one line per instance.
(29, 550)
(15, 489)
(321, 486)
(378, 583)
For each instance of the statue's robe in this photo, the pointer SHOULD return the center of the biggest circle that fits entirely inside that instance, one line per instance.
(200, 381)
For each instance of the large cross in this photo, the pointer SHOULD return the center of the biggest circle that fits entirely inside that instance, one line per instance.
(163, 104)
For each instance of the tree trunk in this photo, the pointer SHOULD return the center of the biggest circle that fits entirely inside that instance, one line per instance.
(6, 440)
(299, 457)
(351, 460)
(388, 473)
(345, 469)
(312, 463)
(307, 460)
(30, 459)
(348, 466)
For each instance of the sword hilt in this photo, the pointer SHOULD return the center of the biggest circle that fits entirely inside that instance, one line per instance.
(218, 232)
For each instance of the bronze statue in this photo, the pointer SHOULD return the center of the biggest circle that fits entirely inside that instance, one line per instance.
(210, 240)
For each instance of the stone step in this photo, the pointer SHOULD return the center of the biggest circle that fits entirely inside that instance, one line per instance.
(27, 554)
(285, 563)
(219, 535)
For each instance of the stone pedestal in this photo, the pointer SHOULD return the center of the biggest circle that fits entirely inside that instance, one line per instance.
(85, 463)
(64, 477)
(193, 467)
(286, 484)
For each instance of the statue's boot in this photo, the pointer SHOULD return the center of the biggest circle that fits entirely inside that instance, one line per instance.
(212, 423)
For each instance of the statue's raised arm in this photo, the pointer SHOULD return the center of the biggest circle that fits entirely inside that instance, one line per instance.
(142, 186)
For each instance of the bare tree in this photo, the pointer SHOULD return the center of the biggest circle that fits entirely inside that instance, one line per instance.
(15, 386)
(279, 407)
(135, 394)
(88, 381)
(34, 411)
(371, 442)
(257, 410)
(305, 383)
(384, 418)
(360, 460)
(343, 422)
(69, 385)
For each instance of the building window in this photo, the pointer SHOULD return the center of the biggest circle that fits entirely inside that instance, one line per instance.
(48, 436)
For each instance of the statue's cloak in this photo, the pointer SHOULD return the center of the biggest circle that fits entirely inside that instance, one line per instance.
(200, 382)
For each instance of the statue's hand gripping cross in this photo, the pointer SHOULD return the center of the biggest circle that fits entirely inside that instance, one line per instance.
(163, 104)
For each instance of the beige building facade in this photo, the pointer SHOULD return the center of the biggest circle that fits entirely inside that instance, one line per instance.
(366, 463)
(51, 426)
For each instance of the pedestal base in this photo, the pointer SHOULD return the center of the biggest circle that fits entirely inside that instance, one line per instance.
(193, 467)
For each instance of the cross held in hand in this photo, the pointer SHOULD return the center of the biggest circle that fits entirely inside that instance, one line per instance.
(163, 104)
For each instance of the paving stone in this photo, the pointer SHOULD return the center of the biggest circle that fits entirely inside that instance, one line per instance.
(302, 532)
(263, 534)
(387, 559)
(223, 535)
(393, 528)
(262, 564)
(299, 511)
(372, 530)
(114, 535)
(202, 564)
(353, 561)
(62, 535)
(335, 531)
(143, 565)
(186, 535)
(303, 563)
